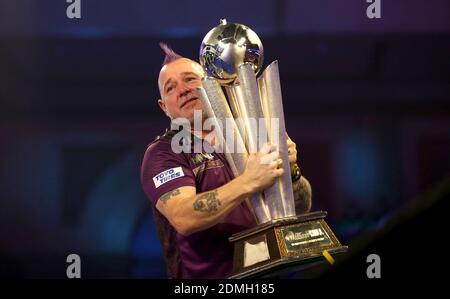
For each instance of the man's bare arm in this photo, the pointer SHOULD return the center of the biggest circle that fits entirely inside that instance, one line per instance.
(189, 212)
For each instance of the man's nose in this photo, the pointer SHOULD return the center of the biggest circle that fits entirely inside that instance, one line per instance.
(184, 89)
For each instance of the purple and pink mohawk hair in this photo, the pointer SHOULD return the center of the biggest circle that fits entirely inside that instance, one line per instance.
(171, 55)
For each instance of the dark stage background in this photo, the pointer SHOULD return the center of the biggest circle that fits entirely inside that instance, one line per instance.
(367, 101)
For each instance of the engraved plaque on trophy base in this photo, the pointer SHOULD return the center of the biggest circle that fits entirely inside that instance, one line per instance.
(283, 243)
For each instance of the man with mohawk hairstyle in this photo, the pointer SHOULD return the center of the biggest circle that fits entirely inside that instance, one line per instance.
(197, 202)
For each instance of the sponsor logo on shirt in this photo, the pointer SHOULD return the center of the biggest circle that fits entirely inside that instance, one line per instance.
(167, 175)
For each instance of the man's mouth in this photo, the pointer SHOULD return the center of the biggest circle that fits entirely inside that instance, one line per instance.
(188, 101)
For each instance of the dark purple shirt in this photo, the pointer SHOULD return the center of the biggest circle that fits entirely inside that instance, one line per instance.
(208, 253)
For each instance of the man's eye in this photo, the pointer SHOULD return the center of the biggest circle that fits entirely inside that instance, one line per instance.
(169, 89)
(191, 79)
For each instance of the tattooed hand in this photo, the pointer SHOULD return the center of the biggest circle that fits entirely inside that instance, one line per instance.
(302, 195)
(292, 150)
(262, 169)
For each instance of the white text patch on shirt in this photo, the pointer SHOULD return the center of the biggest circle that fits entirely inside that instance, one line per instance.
(167, 176)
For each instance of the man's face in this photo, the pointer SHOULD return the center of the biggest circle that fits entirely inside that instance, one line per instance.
(177, 83)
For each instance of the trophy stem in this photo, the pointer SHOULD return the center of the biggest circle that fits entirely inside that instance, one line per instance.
(216, 107)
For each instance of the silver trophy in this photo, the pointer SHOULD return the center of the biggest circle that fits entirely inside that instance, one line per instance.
(232, 55)
(249, 111)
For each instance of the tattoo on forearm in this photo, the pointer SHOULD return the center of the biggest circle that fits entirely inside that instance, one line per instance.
(302, 195)
(168, 195)
(207, 202)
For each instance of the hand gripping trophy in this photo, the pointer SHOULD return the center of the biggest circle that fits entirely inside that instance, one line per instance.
(247, 112)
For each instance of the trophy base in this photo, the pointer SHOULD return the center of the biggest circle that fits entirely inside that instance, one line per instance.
(291, 243)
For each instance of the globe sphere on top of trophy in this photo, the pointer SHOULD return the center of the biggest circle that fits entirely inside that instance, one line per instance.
(226, 47)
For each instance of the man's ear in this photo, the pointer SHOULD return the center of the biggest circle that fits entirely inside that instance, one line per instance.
(163, 107)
